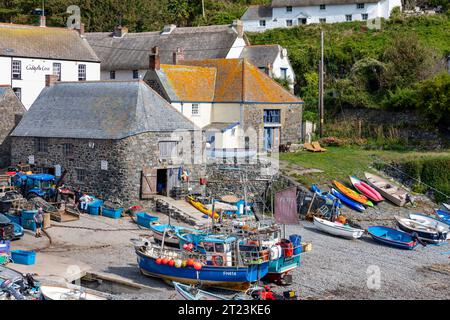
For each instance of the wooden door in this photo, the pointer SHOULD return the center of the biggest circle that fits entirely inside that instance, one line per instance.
(148, 183)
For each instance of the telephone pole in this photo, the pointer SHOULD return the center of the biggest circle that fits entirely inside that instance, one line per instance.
(321, 80)
(203, 9)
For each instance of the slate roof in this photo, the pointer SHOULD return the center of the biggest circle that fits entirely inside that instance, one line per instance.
(4, 104)
(99, 110)
(131, 52)
(235, 81)
(304, 3)
(261, 55)
(257, 13)
(48, 43)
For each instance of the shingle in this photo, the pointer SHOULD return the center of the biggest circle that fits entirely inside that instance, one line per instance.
(48, 43)
(261, 55)
(99, 110)
(257, 12)
(131, 52)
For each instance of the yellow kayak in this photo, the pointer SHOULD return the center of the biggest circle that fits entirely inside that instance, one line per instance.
(200, 207)
(352, 194)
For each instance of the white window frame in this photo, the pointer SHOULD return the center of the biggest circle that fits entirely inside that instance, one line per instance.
(57, 67)
(16, 69)
(322, 7)
(168, 149)
(360, 6)
(289, 23)
(284, 73)
(18, 93)
(348, 17)
(364, 16)
(322, 20)
(262, 23)
(196, 107)
(82, 72)
(289, 9)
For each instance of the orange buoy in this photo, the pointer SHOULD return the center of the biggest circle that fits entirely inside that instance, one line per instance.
(198, 266)
(190, 262)
(165, 260)
(158, 261)
(171, 262)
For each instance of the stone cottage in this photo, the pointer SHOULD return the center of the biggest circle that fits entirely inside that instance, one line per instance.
(115, 139)
(237, 104)
(11, 111)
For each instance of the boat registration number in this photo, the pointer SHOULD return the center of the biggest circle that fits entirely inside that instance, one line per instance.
(229, 273)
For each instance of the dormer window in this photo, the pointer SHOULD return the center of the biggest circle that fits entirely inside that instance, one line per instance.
(289, 9)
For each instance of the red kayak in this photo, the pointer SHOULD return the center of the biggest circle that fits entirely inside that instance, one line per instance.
(367, 190)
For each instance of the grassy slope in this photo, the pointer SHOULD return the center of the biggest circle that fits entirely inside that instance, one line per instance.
(340, 162)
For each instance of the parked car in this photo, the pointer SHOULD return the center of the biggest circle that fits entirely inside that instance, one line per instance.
(18, 230)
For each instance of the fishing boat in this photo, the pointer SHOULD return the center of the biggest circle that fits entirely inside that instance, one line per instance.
(327, 196)
(365, 189)
(443, 216)
(226, 264)
(432, 222)
(61, 293)
(338, 229)
(347, 201)
(170, 230)
(352, 194)
(393, 237)
(188, 292)
(389, 191)
(424, 232)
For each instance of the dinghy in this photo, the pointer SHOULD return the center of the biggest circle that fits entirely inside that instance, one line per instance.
(61, 293)
(347, 201)
(338, 229)
(192, 293)
(392, 237)
(367, 190)
(352, 194)
(432, 222)
(443, 216)
(446, 207)
(424, 232)
(389, 191)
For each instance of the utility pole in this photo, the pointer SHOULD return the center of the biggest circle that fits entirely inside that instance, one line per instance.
(203, 9)
(321, 80)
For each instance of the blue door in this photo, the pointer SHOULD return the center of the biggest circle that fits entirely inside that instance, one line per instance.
(268, 138)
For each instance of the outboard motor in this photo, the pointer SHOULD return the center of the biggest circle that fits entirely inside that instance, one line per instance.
(7, 286)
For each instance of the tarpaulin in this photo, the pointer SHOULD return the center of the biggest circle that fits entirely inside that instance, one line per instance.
(286, 206)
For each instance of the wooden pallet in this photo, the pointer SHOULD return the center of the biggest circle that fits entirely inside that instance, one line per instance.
(65, 215)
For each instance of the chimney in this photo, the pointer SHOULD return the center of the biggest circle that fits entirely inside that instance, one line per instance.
(155, 59)
(50, 79)
(120, 31)
(42, 22)
(239, 26)
(178, 56)
(269, 69)
(81, 29)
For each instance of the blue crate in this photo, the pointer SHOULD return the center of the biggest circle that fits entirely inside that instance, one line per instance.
(94, 207)
(23, 257)
(144, 219)
(112, 213)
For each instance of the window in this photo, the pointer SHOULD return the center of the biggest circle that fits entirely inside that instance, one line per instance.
(263, 69)
(80, 175)
(272, 116)
(289, 23)
(41, 145)
(322, 7)
(364, 16)
(302, 21)
(262, 23)
(67, 149)
(322, 20)
(17, 69)
(81, 72)
(348, 17)
(289, 9)
(168, 149)
(57, 70)
(112, 75)
(18, 92)
(135, 74)
(360, 6)
(195, 109)
(284, 73)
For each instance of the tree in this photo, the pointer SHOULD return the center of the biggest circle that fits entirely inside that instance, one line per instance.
(434, 98)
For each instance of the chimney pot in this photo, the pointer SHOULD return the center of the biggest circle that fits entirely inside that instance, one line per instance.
(178, 56)
(42, 21)
(155, 59)
(50, 80)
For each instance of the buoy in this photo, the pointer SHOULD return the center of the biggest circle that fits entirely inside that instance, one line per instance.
(165, 260)
(184, 264)
(190, 262)
(178, 263)
(198, 266)
(171, 263)
(190, 246)
(185, 246)
(158, 261)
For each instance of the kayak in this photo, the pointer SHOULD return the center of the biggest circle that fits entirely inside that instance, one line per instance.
(352, 194)
(347, 201)
(365, 189)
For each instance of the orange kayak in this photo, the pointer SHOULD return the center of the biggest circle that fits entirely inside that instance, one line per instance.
(352, 194)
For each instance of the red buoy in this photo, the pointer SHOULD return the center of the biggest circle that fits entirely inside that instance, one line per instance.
(190, 262)
(171, 262)
(165, 260)
(198, 266)
(158, 261)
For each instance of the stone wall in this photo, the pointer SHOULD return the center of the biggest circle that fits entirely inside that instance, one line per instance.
(11, 111)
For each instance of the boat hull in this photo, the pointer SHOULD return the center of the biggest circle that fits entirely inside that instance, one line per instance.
(236, 278)
(443, 216)
(432, 237)
(347, 201)
(339, 231)
(351, 194)
(399, 201)
(431, 222)
(388, 238)
(366, 190)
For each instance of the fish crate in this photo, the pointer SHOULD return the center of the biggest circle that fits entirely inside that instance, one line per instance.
(112, 213)
(144, 219)
(306, 246)
(23, 257)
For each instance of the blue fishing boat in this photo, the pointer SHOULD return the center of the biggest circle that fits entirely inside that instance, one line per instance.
(330, 199)
(393, 237)
(347, 201)
(168, 232)
(443, 216)
(225, 264)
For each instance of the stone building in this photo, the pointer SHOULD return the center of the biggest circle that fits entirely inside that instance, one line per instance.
(115, 139)
(11, 111)
(238, 105)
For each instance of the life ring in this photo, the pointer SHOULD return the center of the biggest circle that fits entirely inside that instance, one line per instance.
(218, 261)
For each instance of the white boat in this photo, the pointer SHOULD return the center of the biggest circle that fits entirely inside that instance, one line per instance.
(61, 293)
(431, 222)
(388, 190)
(424, 232)
(338, 229)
